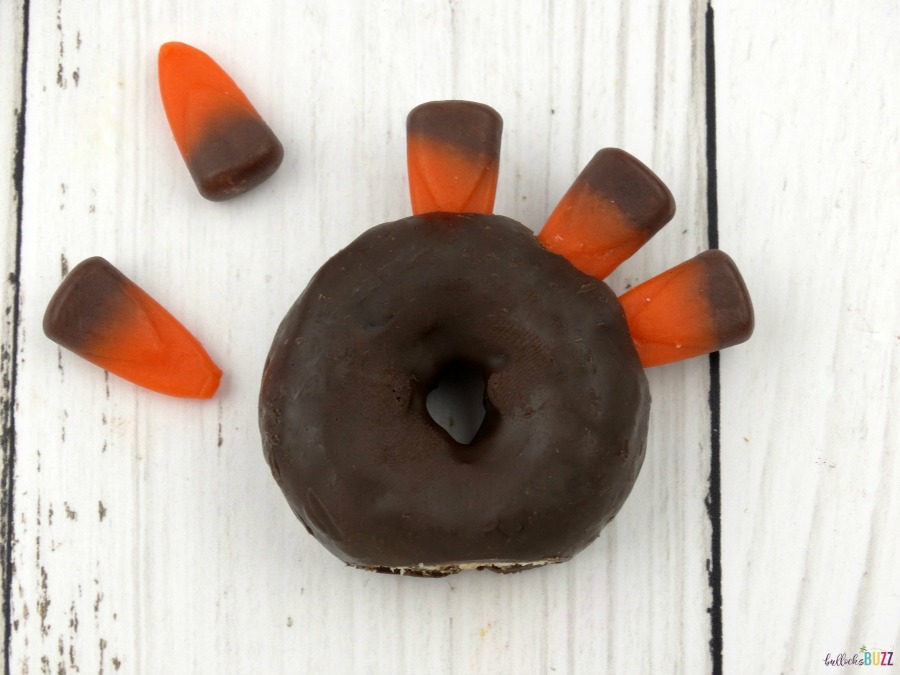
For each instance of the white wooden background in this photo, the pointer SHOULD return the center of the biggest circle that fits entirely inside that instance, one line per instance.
(145, 535)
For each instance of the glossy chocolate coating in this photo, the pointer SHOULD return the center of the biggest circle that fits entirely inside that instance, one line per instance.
(235, 154)
(342, 407)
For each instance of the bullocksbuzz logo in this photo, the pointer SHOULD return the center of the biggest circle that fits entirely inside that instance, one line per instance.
(865, 657)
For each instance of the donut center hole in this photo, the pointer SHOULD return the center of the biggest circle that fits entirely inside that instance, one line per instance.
(456, 401)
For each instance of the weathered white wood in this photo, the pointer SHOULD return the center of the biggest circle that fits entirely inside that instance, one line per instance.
(809, 181)
(149, 535)
(11, 37)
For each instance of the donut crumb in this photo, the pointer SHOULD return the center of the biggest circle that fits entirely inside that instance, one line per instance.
(422, 570)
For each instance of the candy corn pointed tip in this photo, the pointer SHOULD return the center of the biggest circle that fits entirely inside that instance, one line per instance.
(176, 48)
(169, 54)
(167, 48)
(211, 385)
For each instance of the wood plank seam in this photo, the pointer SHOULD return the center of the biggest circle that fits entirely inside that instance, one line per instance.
(11, 353)
(714, 496)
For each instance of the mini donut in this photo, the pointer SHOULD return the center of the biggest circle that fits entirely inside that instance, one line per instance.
(344, 404)
(343, 412)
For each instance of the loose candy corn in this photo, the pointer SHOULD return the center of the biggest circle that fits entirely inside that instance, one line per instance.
(453, 153)
(614, 206)
(697, 307)
(227, 146)
(101, 315)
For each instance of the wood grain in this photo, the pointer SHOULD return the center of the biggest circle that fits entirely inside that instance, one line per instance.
(12, 22)
(809, 140)
(148, 534)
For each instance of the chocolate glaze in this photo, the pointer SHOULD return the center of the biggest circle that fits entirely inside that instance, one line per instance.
(621, 178)
(236, 154)
(473, 127)
(342, 405)
(728, 297)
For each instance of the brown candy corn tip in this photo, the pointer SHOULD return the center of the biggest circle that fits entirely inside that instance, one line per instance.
(697, 307)
(104, 317)
(614, 206)
(453, 153)
(227, 146)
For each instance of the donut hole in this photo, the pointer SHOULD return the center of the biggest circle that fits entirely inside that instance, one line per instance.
(456, 401)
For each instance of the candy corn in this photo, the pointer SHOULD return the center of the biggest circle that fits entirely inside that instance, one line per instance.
(697, 307)
(614, 206)
(453, 152)
(101, 315)
(227, 146)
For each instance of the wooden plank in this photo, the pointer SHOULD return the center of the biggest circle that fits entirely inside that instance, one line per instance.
(149, 535)
(809, 168)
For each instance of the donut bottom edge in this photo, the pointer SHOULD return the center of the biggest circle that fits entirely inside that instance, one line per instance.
(423, 570)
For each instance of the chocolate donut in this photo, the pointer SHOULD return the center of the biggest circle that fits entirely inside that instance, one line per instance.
(343, 412)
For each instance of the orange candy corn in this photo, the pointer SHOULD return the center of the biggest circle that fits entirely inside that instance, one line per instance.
(101, 315)
(697, 307)
(227, 146)
(614, 206)
(453, 153)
